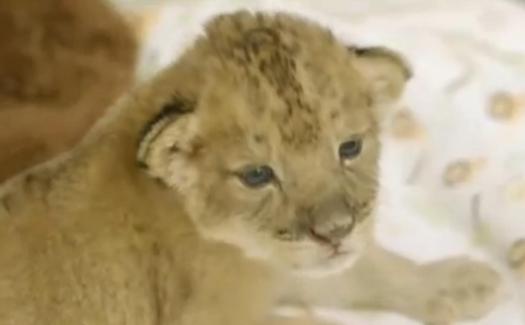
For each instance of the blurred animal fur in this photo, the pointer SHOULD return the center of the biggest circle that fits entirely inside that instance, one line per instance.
(62, 63)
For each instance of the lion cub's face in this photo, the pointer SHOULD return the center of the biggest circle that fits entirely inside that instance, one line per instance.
(278, 154)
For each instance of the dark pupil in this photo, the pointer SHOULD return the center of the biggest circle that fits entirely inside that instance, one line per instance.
(350, 149)
(257, 176)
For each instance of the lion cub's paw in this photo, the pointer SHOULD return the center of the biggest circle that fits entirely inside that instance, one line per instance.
(462, 289)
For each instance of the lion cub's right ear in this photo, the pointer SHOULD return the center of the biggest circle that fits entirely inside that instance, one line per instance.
(168, 142)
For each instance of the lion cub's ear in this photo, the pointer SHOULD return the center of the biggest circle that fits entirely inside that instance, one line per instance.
(168, 143)
(386, 70)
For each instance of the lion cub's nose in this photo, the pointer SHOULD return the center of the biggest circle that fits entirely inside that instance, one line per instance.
(331, 234)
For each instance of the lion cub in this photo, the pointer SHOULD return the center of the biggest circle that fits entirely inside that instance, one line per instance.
(242, 177)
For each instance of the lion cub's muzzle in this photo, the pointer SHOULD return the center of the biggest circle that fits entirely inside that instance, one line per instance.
(332, 233)
(327, 223)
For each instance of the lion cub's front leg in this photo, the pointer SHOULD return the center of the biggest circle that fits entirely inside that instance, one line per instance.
(440, 292)
(444, 291)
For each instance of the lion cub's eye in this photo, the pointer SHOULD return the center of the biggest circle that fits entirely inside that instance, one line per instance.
(256, 176)
(350, 149)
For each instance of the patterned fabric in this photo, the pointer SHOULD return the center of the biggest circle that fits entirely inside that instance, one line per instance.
(454, 161)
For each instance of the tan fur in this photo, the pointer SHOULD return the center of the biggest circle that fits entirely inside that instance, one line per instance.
(148, 222)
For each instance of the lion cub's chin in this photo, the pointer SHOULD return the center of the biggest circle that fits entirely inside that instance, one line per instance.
(303, 259)
(328, 266)
(317, 262)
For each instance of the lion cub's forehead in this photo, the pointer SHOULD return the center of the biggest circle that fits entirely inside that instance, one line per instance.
(287, 73)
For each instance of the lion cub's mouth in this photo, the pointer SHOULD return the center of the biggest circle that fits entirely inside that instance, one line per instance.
(334, 246)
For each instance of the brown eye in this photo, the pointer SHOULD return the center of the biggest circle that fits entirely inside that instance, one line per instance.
(350, 149)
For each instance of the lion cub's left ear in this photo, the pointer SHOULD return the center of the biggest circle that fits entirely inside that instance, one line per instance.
(386, 70)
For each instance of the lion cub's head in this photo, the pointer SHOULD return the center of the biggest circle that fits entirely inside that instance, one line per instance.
(272, 138)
